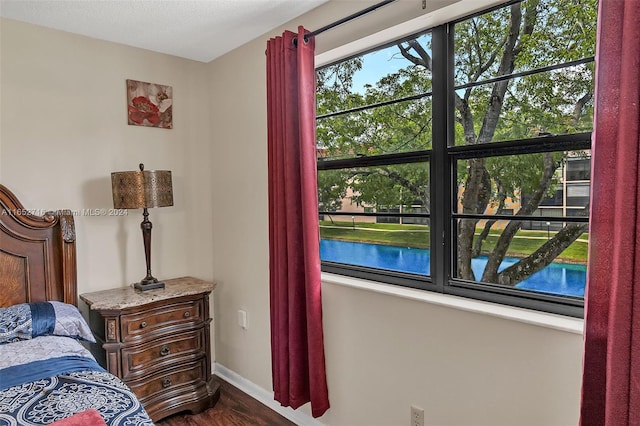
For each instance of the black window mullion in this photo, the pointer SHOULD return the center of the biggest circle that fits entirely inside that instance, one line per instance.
(372, 106)
(376, 214)
(529, 218)
(374, 160)
(440, 184)
(484, 11)
(534, 71)
(550, 143)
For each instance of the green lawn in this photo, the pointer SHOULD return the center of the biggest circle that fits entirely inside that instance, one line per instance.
(417, 236)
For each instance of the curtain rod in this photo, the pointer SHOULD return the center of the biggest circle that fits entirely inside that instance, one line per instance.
(343, 20)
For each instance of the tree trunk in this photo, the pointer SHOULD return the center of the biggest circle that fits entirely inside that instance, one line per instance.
(502, 197)
(474, 201)
(504, 241)
(475, 187)
(543, 256)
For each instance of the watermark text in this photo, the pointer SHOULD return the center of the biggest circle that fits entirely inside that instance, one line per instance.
(77, 212)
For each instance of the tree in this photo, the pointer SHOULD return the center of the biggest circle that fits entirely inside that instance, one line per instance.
(520, 37)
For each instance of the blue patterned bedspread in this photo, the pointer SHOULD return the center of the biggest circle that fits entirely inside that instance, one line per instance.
(50, 378)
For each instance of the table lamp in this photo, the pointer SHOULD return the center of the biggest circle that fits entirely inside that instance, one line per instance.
(143, 189)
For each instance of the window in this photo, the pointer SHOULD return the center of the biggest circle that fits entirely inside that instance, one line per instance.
(577, 194)
(448, 159)
(578, 169)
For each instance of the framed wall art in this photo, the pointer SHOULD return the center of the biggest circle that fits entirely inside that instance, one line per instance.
(149, 104)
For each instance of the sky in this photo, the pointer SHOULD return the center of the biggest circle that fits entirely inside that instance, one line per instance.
(379, 64)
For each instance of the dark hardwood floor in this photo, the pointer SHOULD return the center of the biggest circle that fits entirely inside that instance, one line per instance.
(234, 408)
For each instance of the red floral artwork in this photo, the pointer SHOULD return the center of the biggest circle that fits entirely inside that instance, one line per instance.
(149, 104)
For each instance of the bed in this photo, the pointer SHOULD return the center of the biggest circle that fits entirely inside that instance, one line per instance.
(47, 375)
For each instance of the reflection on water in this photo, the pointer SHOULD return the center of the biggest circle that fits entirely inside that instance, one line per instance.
(557, 278)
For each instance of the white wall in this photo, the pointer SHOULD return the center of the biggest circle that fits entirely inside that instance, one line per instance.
(63, 130)
(383, 353)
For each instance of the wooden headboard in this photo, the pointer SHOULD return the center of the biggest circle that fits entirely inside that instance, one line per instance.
(37, 254)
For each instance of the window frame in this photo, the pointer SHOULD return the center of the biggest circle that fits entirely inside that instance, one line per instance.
(442, 160)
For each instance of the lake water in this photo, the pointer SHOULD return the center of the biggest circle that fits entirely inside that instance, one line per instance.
(557, 278)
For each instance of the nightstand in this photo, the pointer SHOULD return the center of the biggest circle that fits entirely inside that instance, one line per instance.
(158, 343)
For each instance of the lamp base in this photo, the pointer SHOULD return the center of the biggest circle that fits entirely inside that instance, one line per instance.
(145, 285)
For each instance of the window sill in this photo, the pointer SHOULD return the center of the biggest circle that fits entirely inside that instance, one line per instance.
(542, 319)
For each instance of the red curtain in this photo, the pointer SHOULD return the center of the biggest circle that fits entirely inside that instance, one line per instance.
(611, 376)
(297, 349)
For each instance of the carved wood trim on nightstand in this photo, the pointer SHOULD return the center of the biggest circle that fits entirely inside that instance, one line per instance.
(112, 326)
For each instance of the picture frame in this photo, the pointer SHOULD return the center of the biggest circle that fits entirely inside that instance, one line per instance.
(149, 104)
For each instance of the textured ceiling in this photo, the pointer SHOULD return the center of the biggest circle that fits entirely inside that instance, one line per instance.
(200, 30)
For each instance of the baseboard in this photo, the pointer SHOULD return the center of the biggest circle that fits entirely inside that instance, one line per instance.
(264, 396)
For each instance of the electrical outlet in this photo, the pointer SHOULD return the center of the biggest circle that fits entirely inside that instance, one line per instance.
(417, 416)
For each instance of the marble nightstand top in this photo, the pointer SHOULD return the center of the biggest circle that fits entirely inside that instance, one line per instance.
(126, 297)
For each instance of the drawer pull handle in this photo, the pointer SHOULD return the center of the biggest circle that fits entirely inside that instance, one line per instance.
(164, 351)
(143, 324)
(166, 382)
(187, 314)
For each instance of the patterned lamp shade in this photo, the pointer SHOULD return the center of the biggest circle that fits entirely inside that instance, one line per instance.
(141, 189)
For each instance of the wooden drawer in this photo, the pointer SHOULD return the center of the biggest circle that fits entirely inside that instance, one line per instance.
(135, 325)
(182, 378)
(163, 353)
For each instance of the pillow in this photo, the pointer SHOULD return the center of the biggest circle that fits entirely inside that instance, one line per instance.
(15, 323)
(89, 417)
(28, 320)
